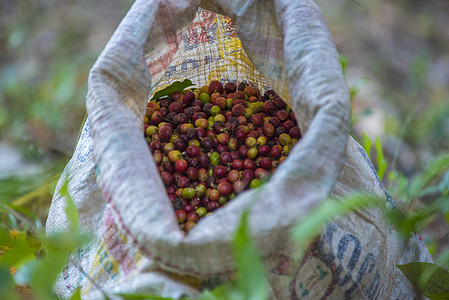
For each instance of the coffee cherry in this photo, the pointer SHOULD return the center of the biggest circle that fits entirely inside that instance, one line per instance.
(220, 171)
(180, 165)
(215, 86)
(225, 158)
(176, 107)
(189, 225)
(255, 183)
(294, 132)
(200, 190)
(215, 159)
(265, 163)
(264, 150)
(285, 139)
(188, 193)
(193, 216)
(238, 186)
(233, 176)
(179, 144)
(249, 90)
(198, 115)
(238, 110)
(195, 202)
(215, 110)
(180, 215)
(289, 124)
(191, 133)
(230, 87)
(183, 181)
(268, 108)
(276, 151)
(223, 138)
(188, 98)
(250, 142)
(211, 206)
(237, 164)
(249, 164)
(204, 98)
(232, 144)
(167, 178)
(275, 121)
(243, 150)
(156, 145)
(252, 153)
(207, 143)
(280, 130)
(282, 115)
(201, 211)
(239, 94)
(224, 188)
(151, 130)
(192, 173)
(269, 129)
(257, 120)
(193, 151)
(260, 173)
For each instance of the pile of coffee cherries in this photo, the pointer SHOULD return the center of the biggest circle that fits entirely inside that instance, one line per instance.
(211, 144)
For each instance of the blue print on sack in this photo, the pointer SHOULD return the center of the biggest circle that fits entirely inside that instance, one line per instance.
(170, 72)
(341, 254)
(275, 71)
(330, 268)
(372, 292)
(209, 59)
(85, 144)
(368, 265)
(185, 63)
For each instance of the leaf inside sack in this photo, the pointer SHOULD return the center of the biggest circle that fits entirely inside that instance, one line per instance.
(176, 86)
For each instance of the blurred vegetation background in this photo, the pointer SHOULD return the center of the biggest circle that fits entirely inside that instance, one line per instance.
(395, 55)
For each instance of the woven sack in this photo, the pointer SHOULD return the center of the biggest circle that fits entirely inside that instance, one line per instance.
(137, 244)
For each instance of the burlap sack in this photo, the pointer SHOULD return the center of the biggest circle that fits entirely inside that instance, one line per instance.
(138, 246)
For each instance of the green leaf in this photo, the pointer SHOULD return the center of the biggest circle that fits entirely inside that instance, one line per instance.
(443, 259)
(429, 279)
(7, 285)
(76, 295)
(406, 224)
(436, 168)
(367, 143)
(20, 249)
(46, 273)
(312, 224)
(251, 282)
(12, 220)
(176, 86)
(23, 210)
(431, 190)
(25, 270)
(381, 161)
(141, 296)
(67, 241)
(219, 293)
(344, 63)
(353, 91)
(444, 185)
(70, 209)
